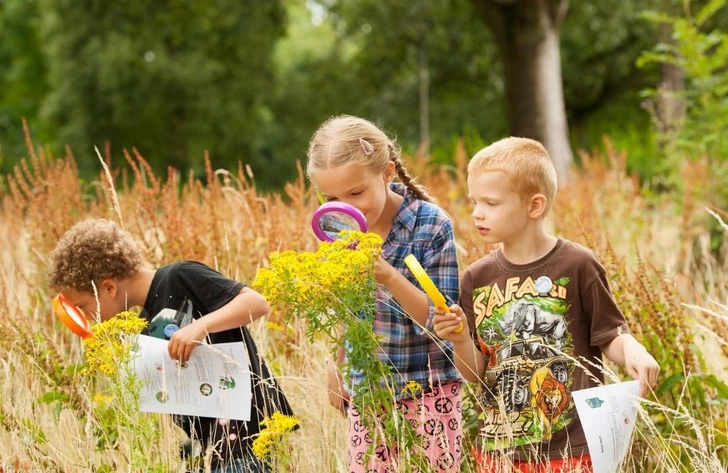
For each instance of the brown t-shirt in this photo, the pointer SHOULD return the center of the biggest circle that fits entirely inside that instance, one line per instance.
(541, 325)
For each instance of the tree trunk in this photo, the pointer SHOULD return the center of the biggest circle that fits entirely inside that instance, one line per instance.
(669, 107)
(527, 34)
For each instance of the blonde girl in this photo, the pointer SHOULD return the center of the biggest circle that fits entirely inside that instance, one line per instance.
(351, 160)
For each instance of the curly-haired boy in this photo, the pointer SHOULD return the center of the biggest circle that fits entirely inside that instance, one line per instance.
(101, 269)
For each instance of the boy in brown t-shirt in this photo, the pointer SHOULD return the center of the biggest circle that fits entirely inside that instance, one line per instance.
(541, 314)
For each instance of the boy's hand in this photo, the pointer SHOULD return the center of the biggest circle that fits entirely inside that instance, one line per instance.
(642, 366)
(184, 340)
(449, 325)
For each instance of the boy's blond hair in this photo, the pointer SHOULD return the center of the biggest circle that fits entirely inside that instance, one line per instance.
(93, 250)
(525, 161)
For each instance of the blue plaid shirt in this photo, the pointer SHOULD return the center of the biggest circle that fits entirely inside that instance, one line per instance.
(414, 352)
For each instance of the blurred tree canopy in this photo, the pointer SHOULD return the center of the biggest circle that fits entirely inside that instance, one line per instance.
(22, 77)
(171, 78)
(371, 65)
(250, 81)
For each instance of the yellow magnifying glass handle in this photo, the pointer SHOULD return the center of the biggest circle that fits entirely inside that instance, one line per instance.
(426, 282)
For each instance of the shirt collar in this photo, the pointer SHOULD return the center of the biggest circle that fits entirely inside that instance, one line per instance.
(407, 214)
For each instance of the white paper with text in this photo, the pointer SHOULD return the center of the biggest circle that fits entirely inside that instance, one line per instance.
(608, 415)
(215, 383)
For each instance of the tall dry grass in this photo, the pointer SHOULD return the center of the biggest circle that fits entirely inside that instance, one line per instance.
(672, 286)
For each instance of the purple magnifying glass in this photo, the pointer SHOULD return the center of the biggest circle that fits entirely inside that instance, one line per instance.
(332, 218)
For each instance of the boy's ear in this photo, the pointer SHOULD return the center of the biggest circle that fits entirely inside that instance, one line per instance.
(537, 206)
(109, 287)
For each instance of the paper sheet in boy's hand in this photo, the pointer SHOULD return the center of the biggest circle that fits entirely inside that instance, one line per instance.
(215, 382)
(608, 415)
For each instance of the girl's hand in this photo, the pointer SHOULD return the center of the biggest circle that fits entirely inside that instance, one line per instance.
(338, 397)
(184, 340)
(383, 271)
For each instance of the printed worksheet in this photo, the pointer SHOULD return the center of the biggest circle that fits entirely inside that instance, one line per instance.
(608, 415)
(214, 383)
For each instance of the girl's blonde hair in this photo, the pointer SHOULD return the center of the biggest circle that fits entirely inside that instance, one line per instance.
(525, 161)
(93, 250)
(346, 139)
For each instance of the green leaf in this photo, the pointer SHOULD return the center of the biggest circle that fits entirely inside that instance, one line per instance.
(719, 386)
(35, 431)
(52, 396)
(72, 370)
(697, 390)
(669, 383)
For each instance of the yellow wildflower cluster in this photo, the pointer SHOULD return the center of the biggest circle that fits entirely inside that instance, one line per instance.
(109, 344)
(328, 278)
(275, 426)
(412, 388)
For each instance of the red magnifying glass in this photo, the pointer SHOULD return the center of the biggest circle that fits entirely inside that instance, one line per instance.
(331, 218)
(71, 316)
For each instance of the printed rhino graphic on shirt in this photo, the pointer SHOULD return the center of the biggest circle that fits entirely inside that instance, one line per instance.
(167, 316)
(526, 395)
(526, 318)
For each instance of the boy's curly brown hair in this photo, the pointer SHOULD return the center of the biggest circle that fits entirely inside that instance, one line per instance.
(92, 250)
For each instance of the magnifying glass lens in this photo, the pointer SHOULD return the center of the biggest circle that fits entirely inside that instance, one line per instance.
(75, 313)
(332, 218)
(71, 316)
(334, 223)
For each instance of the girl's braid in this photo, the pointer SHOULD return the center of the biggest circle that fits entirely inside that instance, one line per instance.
(418, 190)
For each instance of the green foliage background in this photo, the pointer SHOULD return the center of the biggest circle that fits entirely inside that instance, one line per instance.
(250, 81)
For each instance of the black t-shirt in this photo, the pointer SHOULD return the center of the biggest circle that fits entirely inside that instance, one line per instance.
(182, 292)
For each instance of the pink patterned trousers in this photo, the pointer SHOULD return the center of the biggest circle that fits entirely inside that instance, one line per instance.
(436, 417)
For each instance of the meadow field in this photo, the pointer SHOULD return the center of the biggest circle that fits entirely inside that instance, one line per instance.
(666, 254)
